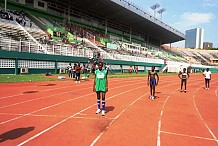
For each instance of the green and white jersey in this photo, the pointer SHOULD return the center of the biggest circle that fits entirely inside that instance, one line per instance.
(100, 80)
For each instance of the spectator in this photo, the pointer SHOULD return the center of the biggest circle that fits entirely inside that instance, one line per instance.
(166, 70)
(69, 69)
(31, 24)
(77, 70)
(136, 69)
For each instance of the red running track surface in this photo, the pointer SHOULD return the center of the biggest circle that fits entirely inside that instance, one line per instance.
(63, 113)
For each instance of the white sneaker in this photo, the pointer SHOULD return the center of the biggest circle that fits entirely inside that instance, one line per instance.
(206, 88)
(79, 81)
(152, 98)
(103, 112)
(76, 81)
(98, 111)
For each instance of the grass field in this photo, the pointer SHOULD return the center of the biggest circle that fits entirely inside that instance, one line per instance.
(23, 78)
(9, 78)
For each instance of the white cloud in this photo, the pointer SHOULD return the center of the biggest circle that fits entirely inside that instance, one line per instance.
(197, 18)
(210, 3)
(188, 20)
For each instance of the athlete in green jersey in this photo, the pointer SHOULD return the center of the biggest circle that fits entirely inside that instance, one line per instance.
(100, 87)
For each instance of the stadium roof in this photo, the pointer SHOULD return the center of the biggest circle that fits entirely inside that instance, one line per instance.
(120, 11)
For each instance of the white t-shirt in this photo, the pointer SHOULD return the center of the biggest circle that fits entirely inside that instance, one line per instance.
(69, 67)
(207, 74)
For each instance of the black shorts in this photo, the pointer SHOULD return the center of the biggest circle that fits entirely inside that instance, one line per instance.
(184, 80)
(77, 74)
(207, 80)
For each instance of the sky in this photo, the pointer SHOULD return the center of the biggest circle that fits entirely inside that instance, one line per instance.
(187, 14)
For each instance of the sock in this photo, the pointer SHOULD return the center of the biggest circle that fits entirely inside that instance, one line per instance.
(103, 104)
(99, 103)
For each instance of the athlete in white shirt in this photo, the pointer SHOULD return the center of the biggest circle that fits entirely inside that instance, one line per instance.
(207, 75)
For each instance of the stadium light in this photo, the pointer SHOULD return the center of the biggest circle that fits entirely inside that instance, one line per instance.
(5, 5)
(161, 11)
(154, 7)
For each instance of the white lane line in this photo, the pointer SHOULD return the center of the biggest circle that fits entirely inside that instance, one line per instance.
(41, 98)
(79, 116)
(74, 85)
(205, 124)
(191, 136)
(114, 81)
(99, 136)
(216, 92)
(161, 114)
(64, 120)
(62, 103)
(44, 108)
(15, 95)
(46, 97)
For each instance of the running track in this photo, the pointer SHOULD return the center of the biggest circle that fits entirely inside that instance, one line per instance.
(63, 113)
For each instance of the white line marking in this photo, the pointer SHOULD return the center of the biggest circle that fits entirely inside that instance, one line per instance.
(74, 85)
(41, 98)
(54, 116)
(60, 122)
(216, 92)
(40, 91)
(161, 114)
(129, 80)
(99, 136)
(45, 108)
(46, 97)
(199, 137)
(194, 102)
(62, 103)
(42, 132)
(159, 121)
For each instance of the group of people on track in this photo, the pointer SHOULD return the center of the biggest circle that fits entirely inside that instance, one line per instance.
(74, 71)
(100, 85)
(153, 80)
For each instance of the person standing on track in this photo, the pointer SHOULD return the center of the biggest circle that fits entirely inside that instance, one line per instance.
(207, 75)
(153, 81)
(183, 76)
(77, 70)
(69, 69)
(100, 87)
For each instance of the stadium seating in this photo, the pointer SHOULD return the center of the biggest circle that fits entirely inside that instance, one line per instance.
(24, 32)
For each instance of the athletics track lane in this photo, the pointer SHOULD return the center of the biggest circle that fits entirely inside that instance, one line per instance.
(144, 127)
(120, 102)
(181, 123)
(75, 106)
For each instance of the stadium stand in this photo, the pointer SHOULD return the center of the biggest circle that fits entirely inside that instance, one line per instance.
(37, 31)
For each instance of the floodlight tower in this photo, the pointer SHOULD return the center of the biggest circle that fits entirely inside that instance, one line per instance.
(161, 12)
(154, 7)
(5, 5)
